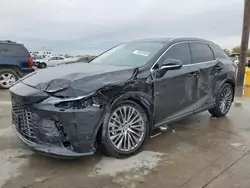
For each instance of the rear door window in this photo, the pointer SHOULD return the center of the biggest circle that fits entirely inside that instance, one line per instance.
(201, 53)
(53, 58)
(219, 54)
(13, 50)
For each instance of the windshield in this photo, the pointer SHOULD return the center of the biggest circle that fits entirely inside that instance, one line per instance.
(133, 54)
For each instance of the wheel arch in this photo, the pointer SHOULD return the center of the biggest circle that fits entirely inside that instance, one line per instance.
(232, 83)
(140, 99)
(228, 81)
(144, 100)
(11, 67)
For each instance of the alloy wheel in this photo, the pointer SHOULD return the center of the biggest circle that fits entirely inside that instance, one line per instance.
(7, 80)
(126, 128)
(226, 97)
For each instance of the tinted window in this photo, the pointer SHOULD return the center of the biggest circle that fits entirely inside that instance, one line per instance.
(13, 50)
(133, 54)
(53, 58)
(220, 54)
(180, 52)
(60, 58)
(201, 53)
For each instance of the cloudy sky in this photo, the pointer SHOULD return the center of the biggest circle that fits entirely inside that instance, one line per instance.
(79, 26)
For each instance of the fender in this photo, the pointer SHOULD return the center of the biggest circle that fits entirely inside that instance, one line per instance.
(143, 99)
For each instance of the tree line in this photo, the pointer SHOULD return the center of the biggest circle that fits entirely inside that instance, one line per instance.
(236, 49)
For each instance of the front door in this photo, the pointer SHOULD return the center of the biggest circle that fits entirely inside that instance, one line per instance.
(174, 90)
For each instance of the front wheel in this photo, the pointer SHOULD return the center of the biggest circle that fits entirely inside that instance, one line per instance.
(224, 101)
(126, 130)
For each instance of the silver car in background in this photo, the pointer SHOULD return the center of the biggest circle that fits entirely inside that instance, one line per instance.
(53, 61)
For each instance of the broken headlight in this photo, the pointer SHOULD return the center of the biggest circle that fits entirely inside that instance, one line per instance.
(66, 103)
(73, 104)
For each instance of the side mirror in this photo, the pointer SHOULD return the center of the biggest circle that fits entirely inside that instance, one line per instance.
(171, 64)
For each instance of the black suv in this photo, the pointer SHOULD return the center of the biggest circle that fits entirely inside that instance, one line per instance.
(121, 96)
(15, 62)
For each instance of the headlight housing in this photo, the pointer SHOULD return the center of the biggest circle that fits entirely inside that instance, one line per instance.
(71, 103)
(78, 104)
(65, 103)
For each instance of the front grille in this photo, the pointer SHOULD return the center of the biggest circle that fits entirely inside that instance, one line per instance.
(23, 117)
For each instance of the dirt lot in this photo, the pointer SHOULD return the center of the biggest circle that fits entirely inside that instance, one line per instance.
(199, 151)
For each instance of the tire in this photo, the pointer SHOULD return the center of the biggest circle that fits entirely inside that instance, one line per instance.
(42, 65)
(7, 78)
(133, 136)
(227, 92)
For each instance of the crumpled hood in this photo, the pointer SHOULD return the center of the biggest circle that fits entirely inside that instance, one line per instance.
(78, 78)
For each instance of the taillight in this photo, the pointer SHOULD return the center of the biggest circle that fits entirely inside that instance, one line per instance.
(30, 62)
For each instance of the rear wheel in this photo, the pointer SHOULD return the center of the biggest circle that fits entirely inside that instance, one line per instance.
(7, 78)
(126, 130)
(223, 101)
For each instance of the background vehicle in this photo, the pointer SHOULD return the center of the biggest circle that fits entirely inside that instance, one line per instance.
(40, 62)
(121, 96)
(248, 61)
(15, 62)
(36, 59)
(235, 58)
(85, 59)
(52, 61)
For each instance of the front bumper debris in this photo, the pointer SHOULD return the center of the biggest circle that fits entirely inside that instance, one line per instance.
(50, 150)
(48, 130)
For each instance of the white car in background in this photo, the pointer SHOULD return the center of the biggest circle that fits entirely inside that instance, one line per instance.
(52, 61)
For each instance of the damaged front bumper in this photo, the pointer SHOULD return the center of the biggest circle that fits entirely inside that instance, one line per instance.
(50, 150)
(50, 130)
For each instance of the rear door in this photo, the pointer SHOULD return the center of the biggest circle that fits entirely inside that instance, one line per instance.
(209, 69)
(174, 90)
